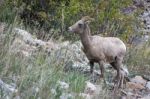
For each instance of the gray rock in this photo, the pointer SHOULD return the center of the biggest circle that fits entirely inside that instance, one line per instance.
(146, 97)
(63, 85)
(1, 2)
(24, 35)
(66, 96)
(139, 80)
(8, 90)
(20, 48)
(90, 88)
(148, 85)
(26, 45)
(2, 27)
(86, 96)
(128, 10)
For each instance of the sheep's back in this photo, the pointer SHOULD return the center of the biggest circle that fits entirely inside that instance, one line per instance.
(110, 46)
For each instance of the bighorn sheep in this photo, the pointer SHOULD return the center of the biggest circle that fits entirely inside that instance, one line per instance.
(100, 49)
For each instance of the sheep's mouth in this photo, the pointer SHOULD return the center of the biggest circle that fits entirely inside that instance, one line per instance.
(70, 29)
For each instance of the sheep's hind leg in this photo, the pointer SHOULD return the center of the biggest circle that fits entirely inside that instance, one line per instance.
(120, 75)
(118, 79)
(101, 65)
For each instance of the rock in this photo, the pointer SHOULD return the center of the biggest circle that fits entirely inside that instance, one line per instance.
(29, 39)
(2, 27)
(128, 10)
(80, 66)
(53, 91)
(138, 80)
(64, 44)
(26, 45)
(140, 40)
(90, 88)
(8, 88)
(2, 34)
(148, 85)
(130, 95)
(1, 2)
(73, 57)
(138, 3)
(21, 48)
(63, 85)
(24, 35)
(66, 96)
(146, 97)
(125, 71)
(86, 96)
(134, 86)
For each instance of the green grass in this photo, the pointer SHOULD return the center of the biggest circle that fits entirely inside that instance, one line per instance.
(138, 59)
(40, 72)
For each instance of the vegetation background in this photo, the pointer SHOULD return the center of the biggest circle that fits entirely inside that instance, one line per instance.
(48, 19)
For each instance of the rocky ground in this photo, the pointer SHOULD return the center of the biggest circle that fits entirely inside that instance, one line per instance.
(25, 45)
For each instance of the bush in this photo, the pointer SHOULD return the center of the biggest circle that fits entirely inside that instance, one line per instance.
(59, 15)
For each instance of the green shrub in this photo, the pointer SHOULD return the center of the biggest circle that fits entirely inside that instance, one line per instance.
(59, 15)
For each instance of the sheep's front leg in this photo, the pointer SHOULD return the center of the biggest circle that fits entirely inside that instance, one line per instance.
(91, 63)
(101, 65)
(91, 66)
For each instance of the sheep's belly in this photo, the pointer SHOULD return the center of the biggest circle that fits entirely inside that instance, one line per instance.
(110, 59)
(95, 57)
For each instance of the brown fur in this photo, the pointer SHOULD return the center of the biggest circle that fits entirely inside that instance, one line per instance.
(100, 49)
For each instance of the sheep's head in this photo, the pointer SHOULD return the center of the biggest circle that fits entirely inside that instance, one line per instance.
(80, 25)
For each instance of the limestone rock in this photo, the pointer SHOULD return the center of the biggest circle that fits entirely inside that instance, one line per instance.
(138, 80)
(90, 88)
(86, 96)
(134, 86)
(146, 97)
(148, 85)
(63, 85)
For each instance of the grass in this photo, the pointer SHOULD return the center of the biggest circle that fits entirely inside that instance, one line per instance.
(39, 72)
(138, 59)
(37, 75)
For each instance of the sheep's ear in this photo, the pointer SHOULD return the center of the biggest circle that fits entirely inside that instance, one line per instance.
(89, 21)
(92, 19)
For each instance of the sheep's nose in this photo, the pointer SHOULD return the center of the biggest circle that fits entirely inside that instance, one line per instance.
(70, 29)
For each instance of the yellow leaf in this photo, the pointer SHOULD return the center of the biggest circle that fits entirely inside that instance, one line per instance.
(43, 15)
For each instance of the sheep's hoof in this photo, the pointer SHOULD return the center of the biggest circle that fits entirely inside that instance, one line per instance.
(92, 77)
(101, 76)
(115, 79)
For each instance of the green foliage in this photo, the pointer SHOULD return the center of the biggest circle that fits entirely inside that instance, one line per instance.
(7, 12)
(39, 72)
(59, 15)
(138, 59)
(77, 81)
(53, 17)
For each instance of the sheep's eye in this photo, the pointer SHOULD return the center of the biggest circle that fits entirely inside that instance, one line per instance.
(80, 25)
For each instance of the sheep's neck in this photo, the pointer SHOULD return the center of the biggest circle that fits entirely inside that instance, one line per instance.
(85, 39)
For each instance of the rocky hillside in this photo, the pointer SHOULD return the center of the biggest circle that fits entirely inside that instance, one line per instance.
(33, 68)
(69, 55)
